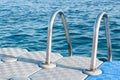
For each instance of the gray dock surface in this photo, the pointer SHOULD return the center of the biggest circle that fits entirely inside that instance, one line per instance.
(19, 64)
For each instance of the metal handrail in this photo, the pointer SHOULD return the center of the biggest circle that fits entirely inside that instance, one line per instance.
(49, 40)
(95, 39)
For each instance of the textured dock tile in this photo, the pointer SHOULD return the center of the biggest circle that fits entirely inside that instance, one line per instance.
(19, 78)
(38, 57)
(9, 70)
(110, 71)
(58, 73)
(68, 68)
(76, 62)
(11, 52)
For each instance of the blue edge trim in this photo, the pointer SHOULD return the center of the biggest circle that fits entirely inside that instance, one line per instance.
(110, 71)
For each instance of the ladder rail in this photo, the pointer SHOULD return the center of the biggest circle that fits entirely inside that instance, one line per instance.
(95, 39)
(49, 40)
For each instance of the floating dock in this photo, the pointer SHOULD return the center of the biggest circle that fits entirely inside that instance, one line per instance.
(19, 64)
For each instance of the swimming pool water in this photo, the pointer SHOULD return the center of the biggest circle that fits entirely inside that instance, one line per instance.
(24, 23)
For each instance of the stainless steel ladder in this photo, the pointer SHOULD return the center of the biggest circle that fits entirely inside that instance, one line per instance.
(93, 70)
(49, 40)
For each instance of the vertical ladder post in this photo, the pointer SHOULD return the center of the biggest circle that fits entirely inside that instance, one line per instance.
(93, 70)
(48, 63)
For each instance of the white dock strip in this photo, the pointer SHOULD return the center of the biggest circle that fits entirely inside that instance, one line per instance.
(19, 64)
(68, 68)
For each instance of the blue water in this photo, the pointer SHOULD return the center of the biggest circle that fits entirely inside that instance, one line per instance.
(24, 23)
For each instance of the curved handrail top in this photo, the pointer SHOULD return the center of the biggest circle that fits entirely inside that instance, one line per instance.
(95, 38)
(98, 20)
(63, 20)
(49, 41)
(53, 18)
